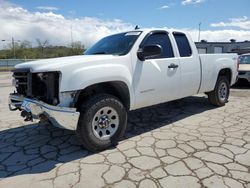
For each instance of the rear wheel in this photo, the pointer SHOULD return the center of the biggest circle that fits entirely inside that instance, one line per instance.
(219, 96)
(102, 122)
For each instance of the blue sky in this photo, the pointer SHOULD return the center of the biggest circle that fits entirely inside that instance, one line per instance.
(148, 13)
(89, 20)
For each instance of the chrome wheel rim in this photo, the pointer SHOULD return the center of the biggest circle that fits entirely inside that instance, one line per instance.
(105, 123)
(223, 91)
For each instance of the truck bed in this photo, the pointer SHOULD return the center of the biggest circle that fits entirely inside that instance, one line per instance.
(211, 64)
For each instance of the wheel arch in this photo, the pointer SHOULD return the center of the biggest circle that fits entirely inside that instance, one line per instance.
(227, 72)
(118, 89)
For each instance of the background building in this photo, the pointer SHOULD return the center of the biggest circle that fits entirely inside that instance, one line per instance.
(205, 47)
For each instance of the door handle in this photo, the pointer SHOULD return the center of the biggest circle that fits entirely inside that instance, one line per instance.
(173, 66)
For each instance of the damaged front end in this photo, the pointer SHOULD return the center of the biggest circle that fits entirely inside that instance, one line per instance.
(37, 96)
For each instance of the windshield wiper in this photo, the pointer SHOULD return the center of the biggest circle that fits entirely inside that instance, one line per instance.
(96, 53)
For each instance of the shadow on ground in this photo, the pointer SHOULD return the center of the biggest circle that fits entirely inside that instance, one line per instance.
(38, 148)
(241, 84)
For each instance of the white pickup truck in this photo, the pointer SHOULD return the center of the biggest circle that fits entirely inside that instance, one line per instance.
(92, 93)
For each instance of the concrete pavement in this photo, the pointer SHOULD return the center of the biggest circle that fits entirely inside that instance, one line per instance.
(187, 143)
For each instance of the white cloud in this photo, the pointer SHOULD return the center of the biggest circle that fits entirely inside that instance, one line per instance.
(188, 2)
(242, 23)
(164, 7)
(47, 8)
(22, 24)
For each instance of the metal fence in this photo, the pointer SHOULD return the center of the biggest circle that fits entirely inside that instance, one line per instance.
(8, 64)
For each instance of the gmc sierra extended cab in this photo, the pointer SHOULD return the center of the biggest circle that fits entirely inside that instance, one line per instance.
(92, 93)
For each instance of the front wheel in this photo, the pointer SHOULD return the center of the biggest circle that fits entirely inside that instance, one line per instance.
(102, 122)
(219, 96)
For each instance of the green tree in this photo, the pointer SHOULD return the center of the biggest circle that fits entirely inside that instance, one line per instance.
(77, 48)
(42, 45)
(25, 50)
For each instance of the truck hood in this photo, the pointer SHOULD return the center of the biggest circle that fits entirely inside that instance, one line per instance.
(59, 64)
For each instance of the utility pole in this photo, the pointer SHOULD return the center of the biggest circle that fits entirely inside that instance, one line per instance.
(71, 33)
(13, 46)
(199, 35)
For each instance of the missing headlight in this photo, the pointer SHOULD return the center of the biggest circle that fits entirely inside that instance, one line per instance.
(45, 87)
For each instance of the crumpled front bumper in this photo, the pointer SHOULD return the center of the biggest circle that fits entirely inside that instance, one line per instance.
(62, 117)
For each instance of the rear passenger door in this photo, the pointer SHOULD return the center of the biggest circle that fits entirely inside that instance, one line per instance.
(190, 65)
(158, 77)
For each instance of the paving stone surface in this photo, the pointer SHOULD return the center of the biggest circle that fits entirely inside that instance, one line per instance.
(186, 143)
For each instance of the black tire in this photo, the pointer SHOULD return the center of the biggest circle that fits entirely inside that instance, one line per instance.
(85, 132)
(214, 96)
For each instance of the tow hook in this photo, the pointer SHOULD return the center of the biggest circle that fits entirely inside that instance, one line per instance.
(42, 118)
(26, 115)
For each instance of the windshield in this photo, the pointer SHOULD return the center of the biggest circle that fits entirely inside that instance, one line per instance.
(245, 59)
(119, 44)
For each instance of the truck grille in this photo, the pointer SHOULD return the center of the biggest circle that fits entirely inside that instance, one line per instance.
(41, 86)
(21, 79)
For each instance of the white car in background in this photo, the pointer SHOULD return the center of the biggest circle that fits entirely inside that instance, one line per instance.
(244, 67)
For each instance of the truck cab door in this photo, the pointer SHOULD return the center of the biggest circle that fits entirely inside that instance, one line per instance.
(190, 65)
(157, 79)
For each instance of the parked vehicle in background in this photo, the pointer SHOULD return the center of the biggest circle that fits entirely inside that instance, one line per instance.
(92, 93)
(244, 67)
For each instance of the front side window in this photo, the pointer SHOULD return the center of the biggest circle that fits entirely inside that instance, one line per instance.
(119, 44)
(163, 40)
(183, 44)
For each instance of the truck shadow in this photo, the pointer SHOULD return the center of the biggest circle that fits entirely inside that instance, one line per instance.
(38, 148)
(241, 84)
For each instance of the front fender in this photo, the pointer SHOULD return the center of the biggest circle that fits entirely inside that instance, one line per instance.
(90, 75)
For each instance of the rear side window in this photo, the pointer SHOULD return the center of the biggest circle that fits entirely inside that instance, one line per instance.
(183, 44)
(161, 39)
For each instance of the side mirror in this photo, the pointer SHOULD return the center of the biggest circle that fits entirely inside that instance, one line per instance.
(149, 52)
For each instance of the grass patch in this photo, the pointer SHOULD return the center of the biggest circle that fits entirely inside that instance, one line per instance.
(6, 68)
